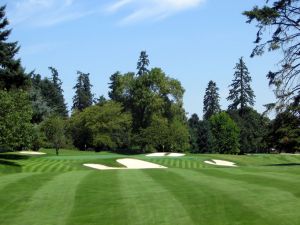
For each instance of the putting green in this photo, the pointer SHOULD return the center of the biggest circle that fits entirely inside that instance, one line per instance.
(51, 190)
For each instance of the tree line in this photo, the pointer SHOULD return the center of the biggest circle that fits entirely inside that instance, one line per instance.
(144, 112)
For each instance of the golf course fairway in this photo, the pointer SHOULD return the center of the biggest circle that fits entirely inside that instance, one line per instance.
(59, 190)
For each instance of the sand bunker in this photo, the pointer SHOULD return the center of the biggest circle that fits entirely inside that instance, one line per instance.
(159, 154)
(31, 153)
(176, 154)
(217, 162)
(129, 164)
(101, 167)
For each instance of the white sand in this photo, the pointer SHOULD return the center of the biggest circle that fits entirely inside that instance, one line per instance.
(102, 167)
(31, 153)
(159, 154)
(217, 162)
(139, 164)
(129, 163)
(176, 154)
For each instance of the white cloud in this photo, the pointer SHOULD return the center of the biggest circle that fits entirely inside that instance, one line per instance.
(151, 9)
(52, 12)
(47, 12)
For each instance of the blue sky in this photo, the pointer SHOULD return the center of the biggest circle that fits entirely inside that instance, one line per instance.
(193, 41)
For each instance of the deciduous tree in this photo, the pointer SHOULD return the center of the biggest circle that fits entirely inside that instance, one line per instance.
(225, 134)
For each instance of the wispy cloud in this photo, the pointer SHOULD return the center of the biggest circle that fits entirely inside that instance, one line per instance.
(47, 12)
(151, 9)
(52, 12)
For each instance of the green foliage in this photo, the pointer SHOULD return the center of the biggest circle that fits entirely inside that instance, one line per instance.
(54, 130)
(37, 138)
(15, 115)
(193, 123)
(165, 136)
(83, 95)
(285, 133)
(143, 63)
(205, 139)
(101, 127)
(225, 134)
(200, 135)
(56, 100)
(211, 104)
(241, 93)
(279, 19)
(47, 97)
(40, 108)
(120, 88)
(155, 102)
(12, 75)
(253, 130)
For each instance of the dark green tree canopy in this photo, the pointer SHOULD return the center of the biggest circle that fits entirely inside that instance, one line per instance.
(15, 115)
(211, 103)
(241, 93)
(12, 74)
(143, 63)
(280, 18)
(285, 133)
(83, 95)
(57, 97)
(225, 134)
(253, 130)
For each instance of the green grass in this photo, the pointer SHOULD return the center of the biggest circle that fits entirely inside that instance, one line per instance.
(58, 190)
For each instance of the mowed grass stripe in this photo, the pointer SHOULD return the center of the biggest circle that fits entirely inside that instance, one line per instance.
(204, 205)
(148, 202)
(98, 200)
(273, 206)
(17, 194)
(262, 179)
(52, 203)
(12, 178)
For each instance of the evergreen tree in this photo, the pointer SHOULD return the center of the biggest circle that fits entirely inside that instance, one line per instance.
(241, 93)
(83, 96)
(12, 74)
(211, 100)
(57, 97)
(193, 130)
(143, 63)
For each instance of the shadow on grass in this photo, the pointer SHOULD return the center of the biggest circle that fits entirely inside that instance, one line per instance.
(13, 157)
(9, 163)
(285, 164)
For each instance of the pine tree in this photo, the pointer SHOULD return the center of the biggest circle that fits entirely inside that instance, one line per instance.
(57, 96)
(143, 63)
(241, 93)
(211, 100)
(83, 96)
(12, 74)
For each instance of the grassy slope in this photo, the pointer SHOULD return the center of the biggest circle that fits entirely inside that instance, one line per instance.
(50, 190)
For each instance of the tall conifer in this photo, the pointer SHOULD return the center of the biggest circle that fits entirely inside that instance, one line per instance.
(211, 104)
(241, 93)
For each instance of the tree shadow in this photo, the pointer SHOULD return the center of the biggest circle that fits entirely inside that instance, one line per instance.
(13, 157)
(9, 163)
(285, 164)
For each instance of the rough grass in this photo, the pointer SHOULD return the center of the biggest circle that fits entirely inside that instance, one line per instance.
(35, 190)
